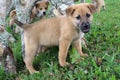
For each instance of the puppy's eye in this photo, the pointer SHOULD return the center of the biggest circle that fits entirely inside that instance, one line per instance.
(88, 15)
(78, 17)
(40, 8)
(46, 8)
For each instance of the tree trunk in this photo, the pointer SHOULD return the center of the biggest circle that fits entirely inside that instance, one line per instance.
(7, 61)
(60, 5)
(2, 12)
(9, 6)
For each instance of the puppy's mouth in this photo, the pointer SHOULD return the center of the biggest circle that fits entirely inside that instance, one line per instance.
(40, 14)
(85, 31)
(84, 27)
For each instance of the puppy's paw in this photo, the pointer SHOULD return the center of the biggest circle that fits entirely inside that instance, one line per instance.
(84, 55)
(64, 64)
(34, 72)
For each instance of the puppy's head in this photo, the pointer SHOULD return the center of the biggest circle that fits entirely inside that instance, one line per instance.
(40, 8)
(81, 15)
(13, 14)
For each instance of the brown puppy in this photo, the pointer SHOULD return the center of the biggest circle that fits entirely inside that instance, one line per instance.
(39, 10)
(62, 31)
(99, 4)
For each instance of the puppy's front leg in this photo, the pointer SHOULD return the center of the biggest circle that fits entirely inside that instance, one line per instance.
(63, 49)
(78, 46)
(104, 7)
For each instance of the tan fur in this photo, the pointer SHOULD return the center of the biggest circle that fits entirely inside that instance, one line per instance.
(99, 4)
(62, 31)
(41, 6)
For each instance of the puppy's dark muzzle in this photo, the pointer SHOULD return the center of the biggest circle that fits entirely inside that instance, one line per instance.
(44, 13)
(85, 27)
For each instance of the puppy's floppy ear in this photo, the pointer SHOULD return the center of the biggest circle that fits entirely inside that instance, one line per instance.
(33, 13)
(91, 7)
(70, 11)
(47, 3)
(37, 5)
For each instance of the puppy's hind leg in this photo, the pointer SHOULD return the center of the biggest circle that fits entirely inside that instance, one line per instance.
(30, 51)
(98, 7)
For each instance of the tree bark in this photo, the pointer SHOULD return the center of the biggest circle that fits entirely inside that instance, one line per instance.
(9, 6)
(2, 12)
(7, 61)
(60, 5)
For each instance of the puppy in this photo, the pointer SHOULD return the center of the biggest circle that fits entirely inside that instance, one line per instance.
(39, 10)
(61, 30)
(99, 4)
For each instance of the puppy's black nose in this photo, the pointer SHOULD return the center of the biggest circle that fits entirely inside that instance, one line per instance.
(44, 13)
(86, 25)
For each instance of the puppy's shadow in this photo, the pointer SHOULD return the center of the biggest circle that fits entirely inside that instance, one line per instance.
(44, 58)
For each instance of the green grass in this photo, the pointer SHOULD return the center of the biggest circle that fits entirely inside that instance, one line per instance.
(103, 43)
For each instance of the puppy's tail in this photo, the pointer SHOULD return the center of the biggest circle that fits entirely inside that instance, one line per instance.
(20, 24)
